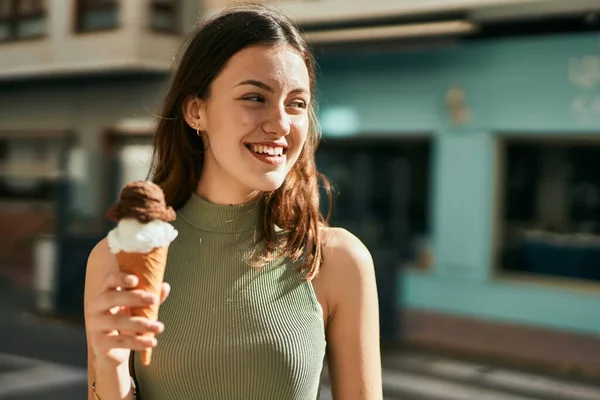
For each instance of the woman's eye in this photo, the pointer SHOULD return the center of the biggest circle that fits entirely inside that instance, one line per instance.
(299, 104)
(255, 98)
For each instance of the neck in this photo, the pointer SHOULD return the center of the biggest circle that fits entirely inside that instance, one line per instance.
(212, 217)
(218, 188)
(224, 193)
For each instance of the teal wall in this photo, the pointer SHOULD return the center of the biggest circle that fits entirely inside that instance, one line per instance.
(545, 85)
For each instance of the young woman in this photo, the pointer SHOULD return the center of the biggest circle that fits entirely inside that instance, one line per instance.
(261, 290)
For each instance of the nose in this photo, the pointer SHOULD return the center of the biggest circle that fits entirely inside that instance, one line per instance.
(278, 122)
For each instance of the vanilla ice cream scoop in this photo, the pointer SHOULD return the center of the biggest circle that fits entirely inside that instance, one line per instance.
(135, 237)
(142, 217)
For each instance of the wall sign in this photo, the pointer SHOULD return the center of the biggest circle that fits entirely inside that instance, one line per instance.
(457, 105)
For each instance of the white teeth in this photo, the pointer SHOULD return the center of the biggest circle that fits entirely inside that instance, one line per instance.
(273, 151)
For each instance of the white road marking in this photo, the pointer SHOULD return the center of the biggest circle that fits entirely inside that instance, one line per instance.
(31, 375)
(406, 383)
(419, 385)
(541, 385)
(17, 361)
(536, 385)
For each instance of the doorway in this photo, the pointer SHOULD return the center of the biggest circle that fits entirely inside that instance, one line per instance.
(381, 190)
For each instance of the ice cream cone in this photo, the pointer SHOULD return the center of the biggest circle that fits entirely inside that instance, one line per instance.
(150, 269)
(141, 240)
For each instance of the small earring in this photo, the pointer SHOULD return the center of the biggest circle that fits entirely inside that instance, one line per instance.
(197, 130)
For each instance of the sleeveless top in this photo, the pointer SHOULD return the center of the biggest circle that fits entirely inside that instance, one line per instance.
(232, 331)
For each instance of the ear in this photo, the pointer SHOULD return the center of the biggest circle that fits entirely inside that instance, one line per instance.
(194, 112)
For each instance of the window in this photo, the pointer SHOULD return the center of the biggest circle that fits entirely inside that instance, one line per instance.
(30, 164)
(164, 16)
(550, 214)
(128, 154)
(97, 15)
(30, 167)
(21, 19)
(381, 193)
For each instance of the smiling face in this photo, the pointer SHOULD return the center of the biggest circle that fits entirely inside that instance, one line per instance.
(255, 122)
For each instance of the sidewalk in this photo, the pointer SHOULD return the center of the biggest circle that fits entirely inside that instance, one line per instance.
(533, 348)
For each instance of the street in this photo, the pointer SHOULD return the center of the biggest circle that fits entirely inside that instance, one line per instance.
(45, 359)
(39, 358)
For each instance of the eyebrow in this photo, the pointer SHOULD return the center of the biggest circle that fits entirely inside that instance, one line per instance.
(264, 86)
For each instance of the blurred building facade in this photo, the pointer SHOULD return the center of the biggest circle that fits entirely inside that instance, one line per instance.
(71, 71)
(461, 137)
(476, 127)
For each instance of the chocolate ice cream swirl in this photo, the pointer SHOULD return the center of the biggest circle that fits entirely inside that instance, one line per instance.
(143, 201)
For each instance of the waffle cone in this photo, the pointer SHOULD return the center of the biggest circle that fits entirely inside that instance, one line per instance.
(150, 270)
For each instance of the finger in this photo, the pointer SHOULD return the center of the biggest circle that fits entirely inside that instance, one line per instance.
(124, 323)
(119, 279)
(126, 298)
(127, 342)
(166, 289)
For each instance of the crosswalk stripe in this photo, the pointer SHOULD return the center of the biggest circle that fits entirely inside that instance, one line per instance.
(412, 384)
(543, 386)
(18, 361)
(407, 383)
(522, 382)
(438, 388)
(419, 376)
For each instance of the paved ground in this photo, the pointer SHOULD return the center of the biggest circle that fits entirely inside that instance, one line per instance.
(45, 359)
(39, 359)
(414, 378)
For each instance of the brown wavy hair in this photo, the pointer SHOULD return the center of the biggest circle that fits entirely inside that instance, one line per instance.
(179, 152)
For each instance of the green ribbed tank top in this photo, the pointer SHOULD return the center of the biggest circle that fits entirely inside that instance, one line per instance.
(232, 332)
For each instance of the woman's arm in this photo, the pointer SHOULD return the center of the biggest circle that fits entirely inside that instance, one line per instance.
(354, 358)
(112, 380)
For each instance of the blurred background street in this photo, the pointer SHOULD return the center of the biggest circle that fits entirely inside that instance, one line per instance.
(462, 138)
(45, 359)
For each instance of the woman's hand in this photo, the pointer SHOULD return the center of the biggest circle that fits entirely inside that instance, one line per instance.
(112, 331)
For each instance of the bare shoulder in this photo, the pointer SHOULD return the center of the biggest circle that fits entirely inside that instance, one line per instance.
(343, 252)
(347, 273)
